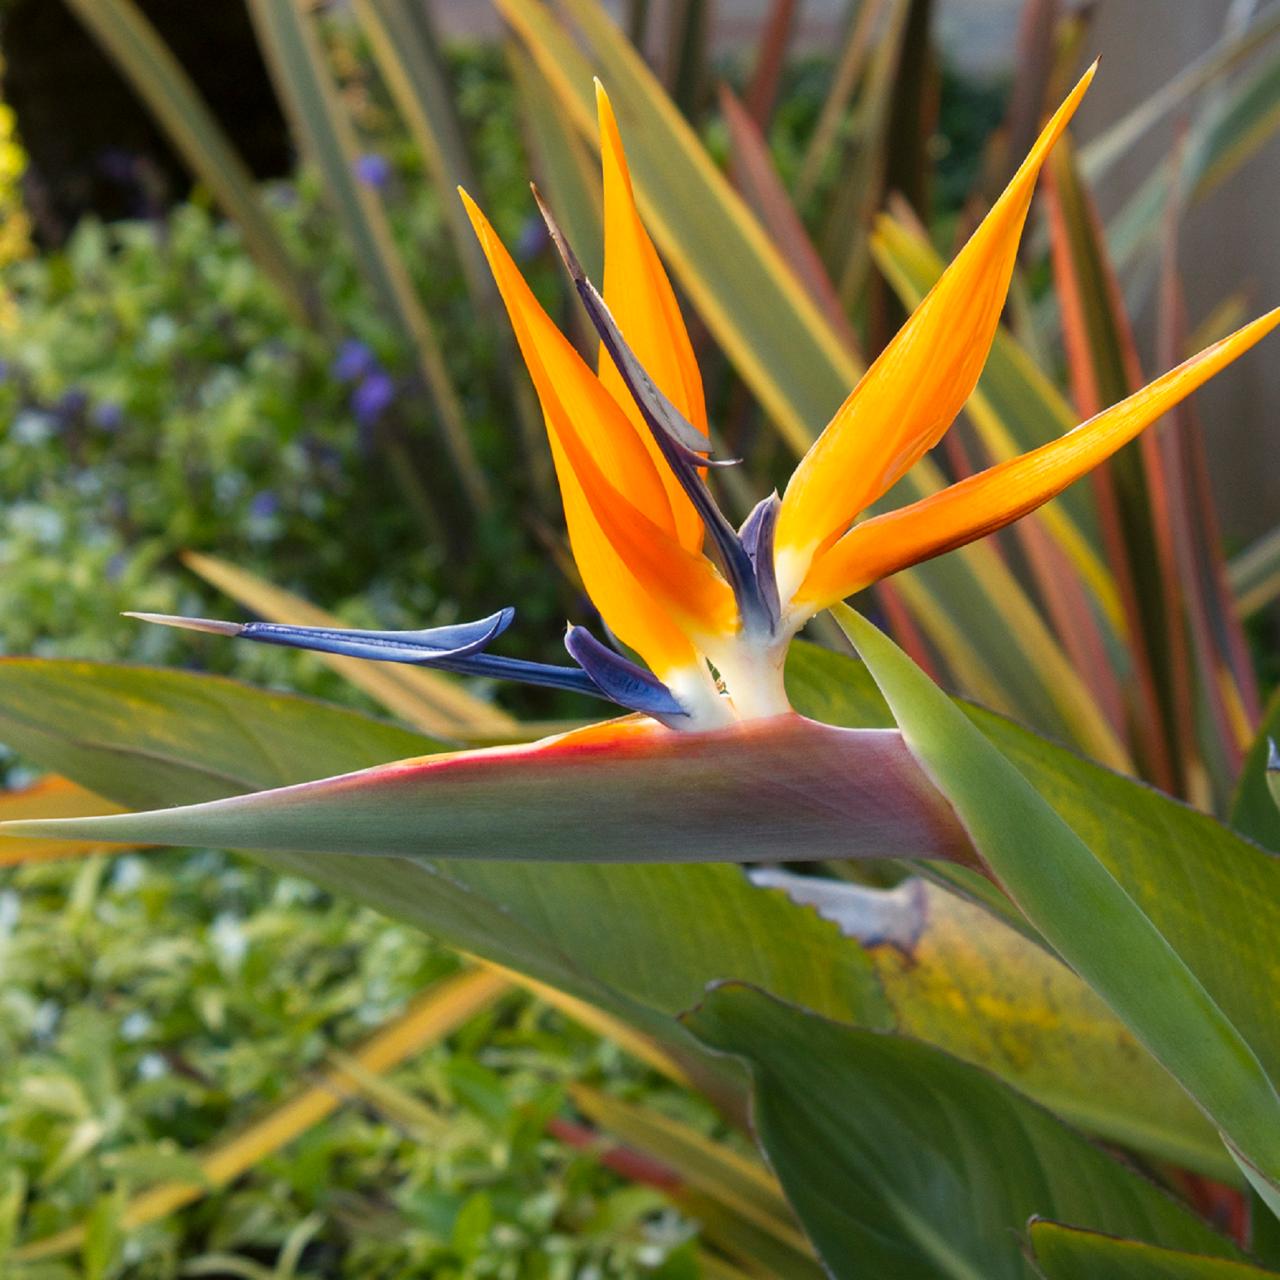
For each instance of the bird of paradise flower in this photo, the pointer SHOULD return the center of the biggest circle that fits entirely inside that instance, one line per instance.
(710, 609)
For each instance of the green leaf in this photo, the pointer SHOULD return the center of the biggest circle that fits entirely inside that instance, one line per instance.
(641, 941)
(1225, 915)
(620, 791)
(147, 736)
(955, 977)
(902, 1162)
(1068, 1253)
(1083, 910)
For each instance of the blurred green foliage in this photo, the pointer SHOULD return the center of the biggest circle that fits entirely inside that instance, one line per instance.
(154, 1003)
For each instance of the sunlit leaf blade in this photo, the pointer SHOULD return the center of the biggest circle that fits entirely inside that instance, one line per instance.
(1104, 151)
(711, 1168)
(434, 1015)
(905, 1164)
(406, 50)
(427, 700)
(758, 179)
(1219, 143)
(123, 30)
(297, 61)
(624, 790)
(50, 797)
(1255, 574)
(793, 361)
(1069, 1253)
(1082, 909)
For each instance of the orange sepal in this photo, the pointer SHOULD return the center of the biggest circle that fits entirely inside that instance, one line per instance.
(994, 498)
(650, 590)
(911, 394)
(639, 294)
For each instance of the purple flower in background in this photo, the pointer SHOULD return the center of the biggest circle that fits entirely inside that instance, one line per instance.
(373, 170)
(370, 399)
(264, 505)
(353, 362)
(533, 239)
(72, 404)
(108, 415)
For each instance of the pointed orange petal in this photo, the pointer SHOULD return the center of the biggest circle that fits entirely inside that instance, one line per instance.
(911, 394)
(652, 592)
(639, 295)
(992, 499)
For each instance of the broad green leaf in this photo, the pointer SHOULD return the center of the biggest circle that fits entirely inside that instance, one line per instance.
(158, 77)
(1211, 892)
(142, 736)
(1068, 1253)
(1084, 911)
(428, 700)
(901, 1161)
(434, 1015)
(640, 941)
(957, 978)
(319, 120)
(796, 363)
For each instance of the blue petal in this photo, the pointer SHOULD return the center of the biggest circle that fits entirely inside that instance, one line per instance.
(434, 645)
(757, 537)
(620, 680)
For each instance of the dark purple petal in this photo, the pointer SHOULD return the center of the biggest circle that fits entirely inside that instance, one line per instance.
(373, 170)
(264, 505)
(372, 397)
(620, 680)
(353, 361)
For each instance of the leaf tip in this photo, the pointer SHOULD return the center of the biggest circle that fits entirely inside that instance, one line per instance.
(211, 625)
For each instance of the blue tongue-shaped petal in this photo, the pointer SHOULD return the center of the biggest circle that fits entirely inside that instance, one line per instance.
(620, 680)
(432, 645)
